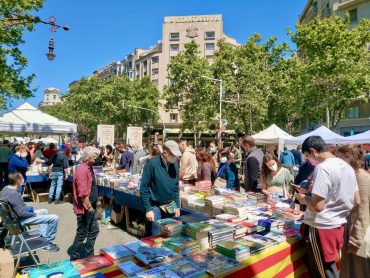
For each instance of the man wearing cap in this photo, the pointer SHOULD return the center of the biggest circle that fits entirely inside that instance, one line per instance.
(58, 172)
(159, 187)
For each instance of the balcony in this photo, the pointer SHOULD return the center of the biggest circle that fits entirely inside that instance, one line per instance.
(347, 4)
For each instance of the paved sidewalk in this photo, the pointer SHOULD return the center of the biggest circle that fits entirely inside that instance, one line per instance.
(67, 231)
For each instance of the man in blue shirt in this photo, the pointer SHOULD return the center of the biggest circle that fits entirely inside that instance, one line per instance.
(287, 158)
(19, 164)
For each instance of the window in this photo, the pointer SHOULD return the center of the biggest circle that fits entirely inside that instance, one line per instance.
(210, 46)
(55, 97)
(209, 35)
(130, 64)
(173, 118)
(353, 16)
(154, 71)
(155, 60)
(315, 7)
(353, 112)
(174, 36)
(174, 47)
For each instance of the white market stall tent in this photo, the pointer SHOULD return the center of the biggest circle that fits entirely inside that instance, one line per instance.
(28, 119)
(330, 137)
(361, 138)
(271, 135)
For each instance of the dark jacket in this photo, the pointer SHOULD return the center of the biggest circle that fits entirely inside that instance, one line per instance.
(159, 184)
(126, 160)
(252, 169)
(229, 172)
(18, 164)
(15, 201)
(297, 157)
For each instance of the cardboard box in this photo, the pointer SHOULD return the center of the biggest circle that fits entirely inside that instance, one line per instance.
(40, 197)
(117, 217)
(6, 264)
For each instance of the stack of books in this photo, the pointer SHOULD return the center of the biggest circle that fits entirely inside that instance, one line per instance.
(226, 217)
(87, 265)
(239, 230)
(254, 247)
(213, 201)
(185, 268)
(259, 239)
(170, 227)
(236, 209)
(215, 263)
(256, 197)
(178, 243)
(233, 249)
(117, 253)
(154, 241)
(277, 236)
(198, 231)
(155, 256)
(157, 272)
(219, 233)
(250, 227)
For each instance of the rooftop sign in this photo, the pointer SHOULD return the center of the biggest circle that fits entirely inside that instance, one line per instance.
(185, 19)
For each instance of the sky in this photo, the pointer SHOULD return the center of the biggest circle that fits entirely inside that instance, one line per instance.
(105, 31)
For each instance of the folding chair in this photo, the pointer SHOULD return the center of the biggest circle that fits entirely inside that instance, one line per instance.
(20, 246)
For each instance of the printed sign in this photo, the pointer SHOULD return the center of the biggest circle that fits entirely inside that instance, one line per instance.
(135, 136)
(105, 135)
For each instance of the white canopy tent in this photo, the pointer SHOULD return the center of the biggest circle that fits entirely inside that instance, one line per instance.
(271, 135)
(28, 119)
(361, 138)
(329, 137)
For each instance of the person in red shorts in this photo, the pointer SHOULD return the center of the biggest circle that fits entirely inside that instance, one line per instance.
(334, 194)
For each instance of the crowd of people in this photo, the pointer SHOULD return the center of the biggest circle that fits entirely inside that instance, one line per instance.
(332, 187)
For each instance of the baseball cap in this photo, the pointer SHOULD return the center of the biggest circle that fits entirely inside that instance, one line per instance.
(173, 147)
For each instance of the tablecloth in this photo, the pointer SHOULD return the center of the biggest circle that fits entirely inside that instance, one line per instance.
(122, 198)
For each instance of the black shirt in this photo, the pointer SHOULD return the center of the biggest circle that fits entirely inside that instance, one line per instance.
(59, 162)
(94, 190)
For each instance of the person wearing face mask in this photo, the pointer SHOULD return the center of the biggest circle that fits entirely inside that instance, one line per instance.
(159, 186)
(228, 170)
(85, 196)
(19, 164)
(275, 179)
(334, 194)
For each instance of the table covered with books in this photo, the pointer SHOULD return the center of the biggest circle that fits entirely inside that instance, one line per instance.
(244, 236)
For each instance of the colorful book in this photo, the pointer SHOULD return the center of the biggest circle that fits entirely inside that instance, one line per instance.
(155, 256)
(90, 264)
(129, 268)
(154, 240)
(158, 272)
(185, 268)
(117, 253)
(214, 263)
(233, 249)
(136, 245)
(63, 269)
(95, 275)
(177, 243)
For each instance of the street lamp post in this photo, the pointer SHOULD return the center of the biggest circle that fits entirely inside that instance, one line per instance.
(220, 106)
(150, 110)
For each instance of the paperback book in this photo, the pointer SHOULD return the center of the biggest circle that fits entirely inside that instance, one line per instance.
(63, 269)
(155, 256)
(158, 272)
(117, 253)
(136, 245)
(233, 249)
(129, 268)
(178, 243)
(185, 268)
(87, 265)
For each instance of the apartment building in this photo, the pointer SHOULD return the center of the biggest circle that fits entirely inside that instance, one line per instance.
(205, 30)
(357, 116)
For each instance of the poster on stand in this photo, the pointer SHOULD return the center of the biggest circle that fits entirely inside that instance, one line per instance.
(105, 135)
(135, 136)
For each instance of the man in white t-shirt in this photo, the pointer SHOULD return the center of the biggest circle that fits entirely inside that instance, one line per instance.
(334, 194)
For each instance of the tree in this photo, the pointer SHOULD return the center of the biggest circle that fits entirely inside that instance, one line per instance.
(15, 18)
(334, 67)
(249, 73)
(93, 101)
(195, 96)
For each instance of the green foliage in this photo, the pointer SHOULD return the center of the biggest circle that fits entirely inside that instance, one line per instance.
(195, 96)
(12, 62)
(252, 76)
(93, 101)
(334, 69)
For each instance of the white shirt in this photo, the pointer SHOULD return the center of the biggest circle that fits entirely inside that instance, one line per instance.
(334, 180)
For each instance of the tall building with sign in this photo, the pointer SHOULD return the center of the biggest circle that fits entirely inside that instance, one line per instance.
(357, 115)
(205, 30)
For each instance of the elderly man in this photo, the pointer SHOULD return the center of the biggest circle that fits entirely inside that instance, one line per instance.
(159, 187)
(188, 163)
(85, 196)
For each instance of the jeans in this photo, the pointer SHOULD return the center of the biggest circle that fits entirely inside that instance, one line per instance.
(48, 224)
(159, 214)
(57, 179)
(87, 228)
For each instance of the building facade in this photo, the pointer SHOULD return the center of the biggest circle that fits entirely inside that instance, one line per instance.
(205, 30)
(51, 97)
(357, 116)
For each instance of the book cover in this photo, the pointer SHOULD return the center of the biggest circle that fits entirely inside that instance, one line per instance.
(90, 264)
(214, 263)
(185, 268)
(129, 268)
(158, 272)
(177, 243)
(135, 245)
(117, 253)
(95, 275)
(63, 269)
(152, 239)
(155, 256)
